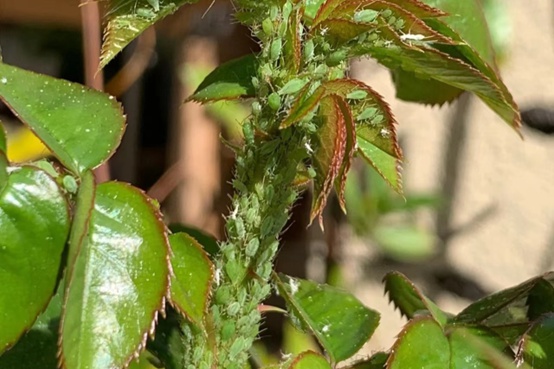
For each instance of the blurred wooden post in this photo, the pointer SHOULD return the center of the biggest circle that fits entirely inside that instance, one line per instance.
(194, 145)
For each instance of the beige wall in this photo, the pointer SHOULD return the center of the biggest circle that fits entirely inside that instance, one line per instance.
(499, 168)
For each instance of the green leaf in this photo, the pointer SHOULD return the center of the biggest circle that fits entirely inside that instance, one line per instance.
(540, 300)
(349, 152)
(340, 322)
(410, 300)
(193, 274)
(375, 132)
(309, 360)
(34, 224)
(118, 283)
(438, 65)
(208, 242)
(127, 19)
(2, 138)
(81, 126)
(38, 348)
(409, 87)
(230, 80)
(421, 344)
(376, 361)
(463, 352)
(329, 154)
(495, 358)
(306, 102)
(492, 304)
(536, 347)
(405, 242)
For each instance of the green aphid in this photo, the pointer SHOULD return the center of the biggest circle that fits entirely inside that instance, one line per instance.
(337, 57)
(274, 101)
(367, 114)
(357, 95)
(47, 167)
(308, 51)
(267, 26)
(275, 49)
(154, 4)
(377, 120)
(70, 184)
(293, 86)
(365, 16)
(386, 13)
(146, 13)
(399, 24)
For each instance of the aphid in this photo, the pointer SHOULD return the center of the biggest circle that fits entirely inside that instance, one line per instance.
(336, 58)
(293, 86)
(146, 13)
(365, 16)
(252, 247)
(357, 95)
(366, 114)
(309, 50)
(256, 108)
(287, 9)
(70, 184)
(274, 101)
(154, 4)
(267, 26)
(275, 49)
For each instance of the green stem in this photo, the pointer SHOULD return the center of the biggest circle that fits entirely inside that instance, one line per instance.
(265, 193)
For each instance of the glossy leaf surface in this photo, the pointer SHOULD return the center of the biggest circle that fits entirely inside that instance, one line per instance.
(309, 360)
(127, 19)
(230, 80)
(193, 274)
(463, 352)
(492, 304)
(442, 67)
(375, 129)
(409, 299)
(421, 344)
(340, 322)
(536, 347)
(34, 223)
(118, 282)
(208, 242)
(82, 127)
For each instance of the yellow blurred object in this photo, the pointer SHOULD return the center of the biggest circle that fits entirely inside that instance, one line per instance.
(24, 146)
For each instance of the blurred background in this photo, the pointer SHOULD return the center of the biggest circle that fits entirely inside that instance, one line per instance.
(478, 211)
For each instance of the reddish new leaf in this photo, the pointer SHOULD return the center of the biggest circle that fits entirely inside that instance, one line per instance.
(340, 31)
(350, 150)
(329, 154)
(292, 48)
(305, 103)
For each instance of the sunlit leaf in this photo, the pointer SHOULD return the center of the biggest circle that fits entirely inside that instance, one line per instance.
(329, 154)
(82, 127)
(536, 347)
(340, 322)
(208, 242)
(118, 282)
(492, 304)
(421, 344)
(438, 65)
(230, 80)
(292, 48)
(34, 223)
(127, 19)
(309, 360)
(463, 352)
(410, 300)
(193, 274)
(349, 151)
